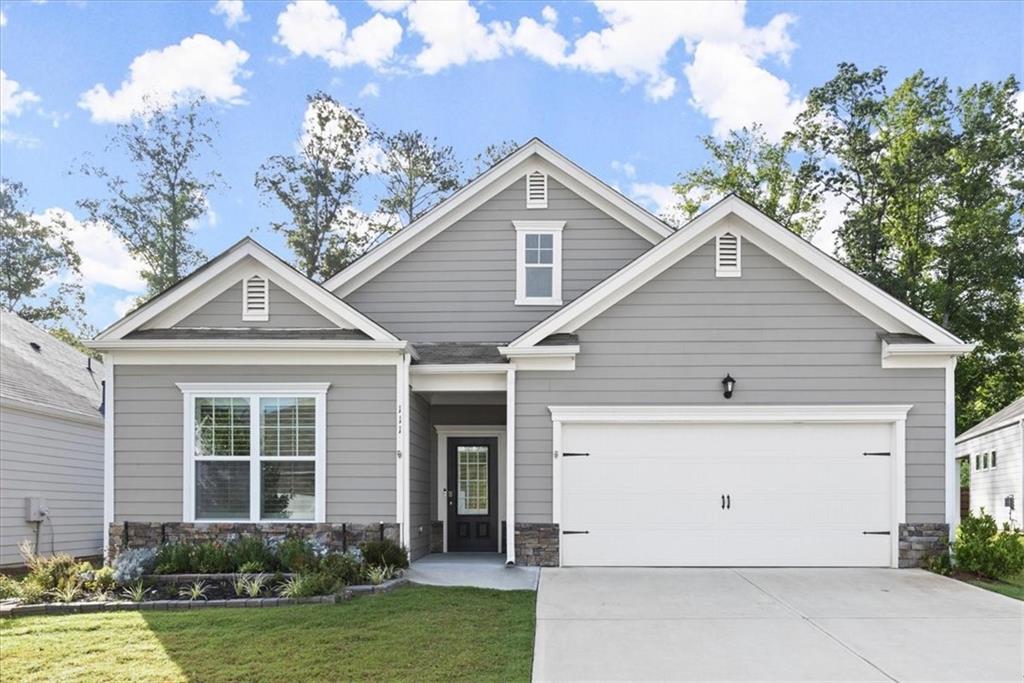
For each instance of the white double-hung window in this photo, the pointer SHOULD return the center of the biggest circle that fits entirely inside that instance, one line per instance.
(539, 263)
(255, 452)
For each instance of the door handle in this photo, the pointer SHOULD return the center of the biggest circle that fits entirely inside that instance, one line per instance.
(451, 496)
(728, 502)
(723, 501)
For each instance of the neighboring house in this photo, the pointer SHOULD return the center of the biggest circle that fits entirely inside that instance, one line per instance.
(994, 450)
(538, 355)
(51, 444)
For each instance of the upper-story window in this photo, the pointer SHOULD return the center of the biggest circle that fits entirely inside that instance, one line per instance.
(539, 263)
(727, 255)
(536, 190)
(255, 299)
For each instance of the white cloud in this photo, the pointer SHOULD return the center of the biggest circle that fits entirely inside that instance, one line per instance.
(825, 237)
(233, 12)
(370, 90)
(3, 18)
(13, 98)
(660, 199)
(624, 167)
(549, 15)
(316, 29)
(21, 140)
(454, 35)
(541, 41)
(105, 261)
(388, 6)
(123, 306)
(198, 65)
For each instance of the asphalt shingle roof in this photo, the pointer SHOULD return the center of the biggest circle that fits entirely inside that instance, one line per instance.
(1011, 412)
(55, 375)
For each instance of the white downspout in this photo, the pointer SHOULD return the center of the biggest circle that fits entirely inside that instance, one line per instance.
(108, 452)
(510, 466)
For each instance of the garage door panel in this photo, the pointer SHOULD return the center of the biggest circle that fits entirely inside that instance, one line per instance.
(798, 494)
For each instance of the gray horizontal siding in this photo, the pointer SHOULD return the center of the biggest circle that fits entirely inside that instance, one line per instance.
(461, 285)
(420, 466)
(785, 340)
(62, 461)
(149, 452)
(225, 310)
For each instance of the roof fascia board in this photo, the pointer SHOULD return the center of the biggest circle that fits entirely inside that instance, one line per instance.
(306, 290)
(782, 244)
(51, 411)
(486, 186)
(1009, 422)
(246, 344)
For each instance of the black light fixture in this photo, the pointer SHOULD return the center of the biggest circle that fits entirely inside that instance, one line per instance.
(729, 383)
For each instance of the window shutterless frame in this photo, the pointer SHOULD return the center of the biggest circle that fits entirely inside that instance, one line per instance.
(552, 229)
(253, 393)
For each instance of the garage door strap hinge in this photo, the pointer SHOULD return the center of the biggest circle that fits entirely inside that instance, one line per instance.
(575, 455)
(876, 533)
(882, 454)
(568, 532)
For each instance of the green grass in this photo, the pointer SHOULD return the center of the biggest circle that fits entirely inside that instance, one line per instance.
(1012, 587)
(413, 634)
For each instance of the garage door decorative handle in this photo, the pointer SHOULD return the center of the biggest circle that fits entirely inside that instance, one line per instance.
(575, 455)
(567, 532)
(723, 501)
(726, 502)
(876, 533)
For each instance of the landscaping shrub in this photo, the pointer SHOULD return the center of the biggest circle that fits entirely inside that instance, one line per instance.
(99, 580)
(306, 585)
(296, 555)
(385, 552)
(132, 564)
(9, 587)
(980, 548)
(211, 558)
(249, 554)
(341, 569)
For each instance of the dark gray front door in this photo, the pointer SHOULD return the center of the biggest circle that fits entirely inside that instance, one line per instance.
(472, 494)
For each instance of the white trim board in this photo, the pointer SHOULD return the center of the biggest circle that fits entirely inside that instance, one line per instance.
(534, 155)
(191, 293)
(42, 410)
(732, 214)
(896, 415)
(444, 432)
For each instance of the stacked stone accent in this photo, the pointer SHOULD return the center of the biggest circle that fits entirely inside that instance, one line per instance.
(337, 537)
(437, 537)
(920, 541)
(536, 544)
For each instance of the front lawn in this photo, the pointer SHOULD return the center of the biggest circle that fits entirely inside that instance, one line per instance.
(1012, 587)
(415, 633)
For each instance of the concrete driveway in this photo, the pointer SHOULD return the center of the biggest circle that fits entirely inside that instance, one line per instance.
(773, 625)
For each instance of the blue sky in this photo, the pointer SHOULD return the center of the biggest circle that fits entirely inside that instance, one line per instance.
(624, 89)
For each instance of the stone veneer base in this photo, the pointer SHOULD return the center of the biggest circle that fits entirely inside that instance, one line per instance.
(536, 544)
(919, 541)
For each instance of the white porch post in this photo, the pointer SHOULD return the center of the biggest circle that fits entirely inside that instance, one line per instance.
(404, 464)
(108, 452)
(510, 466)
(952, 473)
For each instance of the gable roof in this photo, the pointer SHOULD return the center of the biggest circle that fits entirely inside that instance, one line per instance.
(795, 252)
(483, 187)
(1008, 415)
(188, 294)
(57, 376)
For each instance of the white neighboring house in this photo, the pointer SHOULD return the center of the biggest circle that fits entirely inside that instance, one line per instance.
(51, 444)
(995, 450)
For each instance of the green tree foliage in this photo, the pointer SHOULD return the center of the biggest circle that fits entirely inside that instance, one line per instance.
(933, 184)
(418, 172)
(492, 154)
(154, 210)
(36, 253)
(318, 185)
(760, 171)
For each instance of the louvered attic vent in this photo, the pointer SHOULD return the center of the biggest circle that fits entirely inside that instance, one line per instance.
(255, 299)
(536, 190)
(727, 255)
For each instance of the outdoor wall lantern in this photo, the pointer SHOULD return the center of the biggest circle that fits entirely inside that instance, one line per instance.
(729, 383)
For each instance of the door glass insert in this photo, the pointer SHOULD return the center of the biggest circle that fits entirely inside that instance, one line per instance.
(473, 478)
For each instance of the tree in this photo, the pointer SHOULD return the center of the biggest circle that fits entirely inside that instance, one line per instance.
(417, 173)
(154, 210)
(760, 171)
(317, 186)
(492, 154)
(36, 252)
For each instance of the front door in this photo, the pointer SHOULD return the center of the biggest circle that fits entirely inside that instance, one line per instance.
(472, 494)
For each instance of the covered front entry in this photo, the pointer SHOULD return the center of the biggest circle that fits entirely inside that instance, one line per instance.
(472, 494)
(732, 493)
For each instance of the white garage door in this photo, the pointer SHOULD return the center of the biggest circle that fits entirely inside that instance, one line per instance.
(779, 494)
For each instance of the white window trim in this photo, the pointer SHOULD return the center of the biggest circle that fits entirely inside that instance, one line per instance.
(315, 390)
(730, 271)
(259, 314)
(553, 228)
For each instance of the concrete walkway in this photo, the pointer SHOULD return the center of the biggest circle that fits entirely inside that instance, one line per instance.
(478, 570)
(773, 625)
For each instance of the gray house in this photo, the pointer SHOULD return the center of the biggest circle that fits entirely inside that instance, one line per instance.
(51, 445)
(994, 450)
(540, 368)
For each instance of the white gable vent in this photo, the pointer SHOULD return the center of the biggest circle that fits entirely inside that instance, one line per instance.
(536, 190)
(255, 299)
(727, 255)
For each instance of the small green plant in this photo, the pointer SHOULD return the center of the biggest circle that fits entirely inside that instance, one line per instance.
(305, 585)
(980, 548)
(378, 574)
(68, 592)
(30, 591)
(9, 587)
(939, 563)
(132, 564)
(194, 591)
(55, 572)
(385, 552)
(249, 586)
(342, 569)
(100, 580)
(296, 554)
(249, 554)
(136, 592)
(252, 567)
